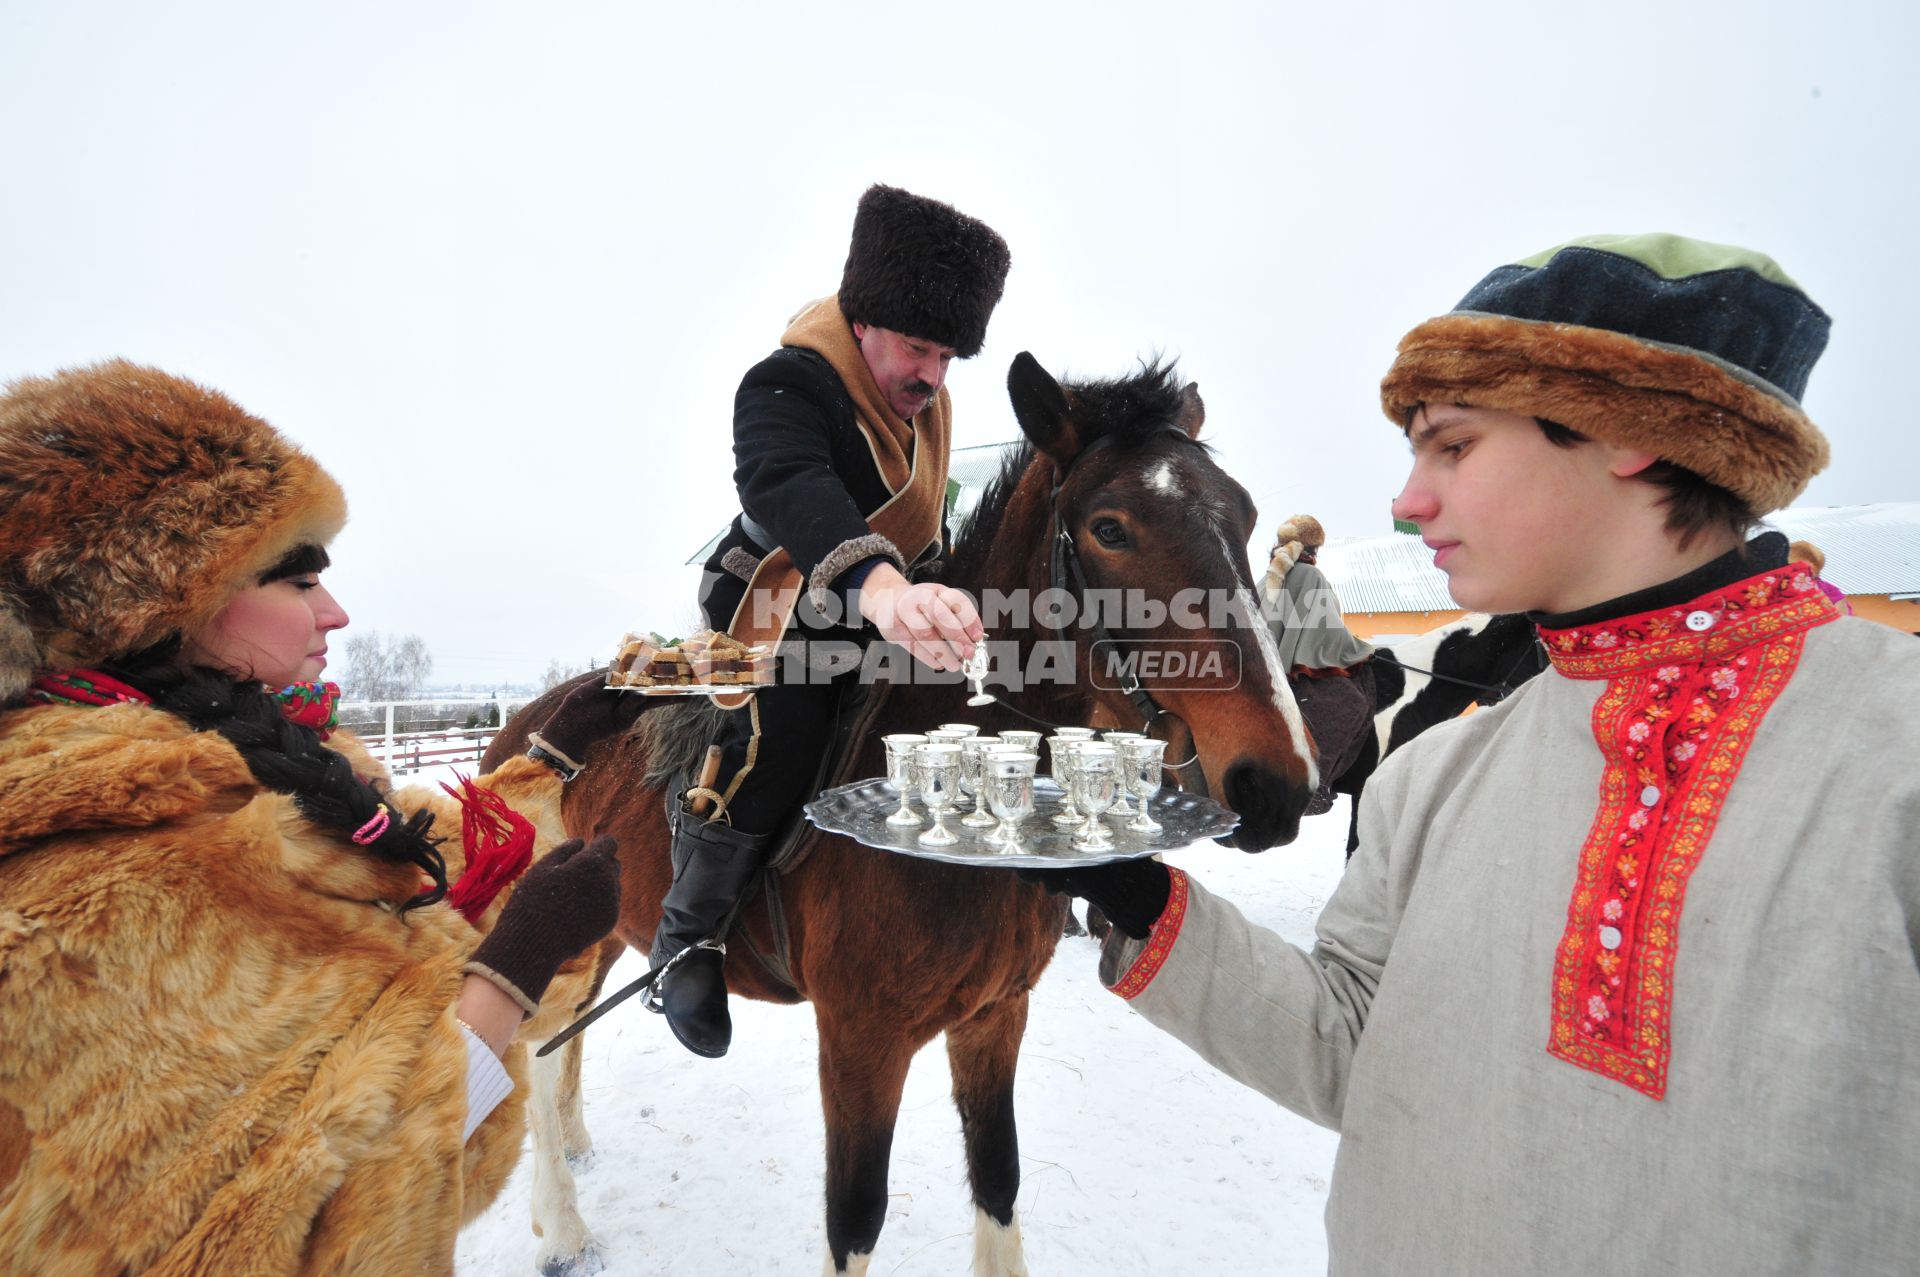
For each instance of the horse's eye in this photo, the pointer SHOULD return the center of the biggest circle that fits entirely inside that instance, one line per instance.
(1109, 533)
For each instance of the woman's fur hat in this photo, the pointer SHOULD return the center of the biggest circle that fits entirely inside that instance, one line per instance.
(923, 268)
(1695, 352)
(1303, 528)
(133, 506)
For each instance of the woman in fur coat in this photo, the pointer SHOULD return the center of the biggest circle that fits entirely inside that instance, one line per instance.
(245, 1030)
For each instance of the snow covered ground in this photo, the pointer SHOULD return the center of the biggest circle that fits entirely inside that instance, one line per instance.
(1135, 1155)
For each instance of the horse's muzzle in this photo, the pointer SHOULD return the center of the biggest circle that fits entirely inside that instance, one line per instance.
(1268, 803)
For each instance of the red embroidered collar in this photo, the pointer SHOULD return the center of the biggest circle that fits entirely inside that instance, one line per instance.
(1686, 688)
(1736, 615)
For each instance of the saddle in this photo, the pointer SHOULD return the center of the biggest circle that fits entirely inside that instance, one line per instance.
(857, 706)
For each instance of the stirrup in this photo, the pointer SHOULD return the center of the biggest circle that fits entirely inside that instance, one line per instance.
(652, 1001)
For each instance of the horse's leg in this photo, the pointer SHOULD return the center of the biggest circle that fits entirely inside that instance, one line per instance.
(576, 1143)
(561, 1144)
(863, 1068)
(567, 1248)
(983, 1052)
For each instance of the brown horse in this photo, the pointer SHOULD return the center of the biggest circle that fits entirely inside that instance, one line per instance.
(893, 950)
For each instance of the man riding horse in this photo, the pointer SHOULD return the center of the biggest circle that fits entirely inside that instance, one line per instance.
(1330, 670)
(840, 442)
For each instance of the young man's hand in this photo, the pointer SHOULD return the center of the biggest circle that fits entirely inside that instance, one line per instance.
(937, 624)
(1132, 893)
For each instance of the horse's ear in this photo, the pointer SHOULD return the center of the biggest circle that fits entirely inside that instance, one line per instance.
(1193, 413)
(1041, 406)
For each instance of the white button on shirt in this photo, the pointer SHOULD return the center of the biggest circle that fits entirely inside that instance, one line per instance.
(1610, 937)
(1698, 621)
(1650, 795)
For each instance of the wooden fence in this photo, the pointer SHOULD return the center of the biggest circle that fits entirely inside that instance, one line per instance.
(409, 736)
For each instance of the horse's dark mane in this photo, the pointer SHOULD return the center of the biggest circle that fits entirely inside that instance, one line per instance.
(976, 537)
(1128, 408)
(1131, 409)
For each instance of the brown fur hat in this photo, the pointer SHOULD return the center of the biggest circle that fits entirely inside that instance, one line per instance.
(1808, 553)
(1303, 528)
(1692, 351)
(923, 268)
(133, 506)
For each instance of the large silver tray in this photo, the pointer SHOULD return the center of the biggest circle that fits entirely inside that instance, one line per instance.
(860, 811)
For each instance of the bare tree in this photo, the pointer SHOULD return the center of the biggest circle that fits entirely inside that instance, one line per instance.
(558, 672)
(412, 665)
(379, 669)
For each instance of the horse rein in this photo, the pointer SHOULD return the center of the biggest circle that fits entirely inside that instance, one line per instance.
(1500, 691)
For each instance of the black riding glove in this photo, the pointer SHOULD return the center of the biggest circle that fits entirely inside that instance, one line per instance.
(590, 712)
(565, 904)
(1132, 893)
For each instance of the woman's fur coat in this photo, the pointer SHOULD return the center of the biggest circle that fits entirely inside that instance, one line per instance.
(225, 1049)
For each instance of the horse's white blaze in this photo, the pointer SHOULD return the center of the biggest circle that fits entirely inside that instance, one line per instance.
(997, 1251)
(1161, 479)
(566, 1244)
(1269, 652)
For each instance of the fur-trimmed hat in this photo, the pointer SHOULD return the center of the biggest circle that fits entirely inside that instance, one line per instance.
(1303, 528)
(923, 268)
(133, 506)
(1808, 553)
(1696, 352)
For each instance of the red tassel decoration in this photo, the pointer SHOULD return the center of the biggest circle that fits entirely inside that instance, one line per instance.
(499, 846)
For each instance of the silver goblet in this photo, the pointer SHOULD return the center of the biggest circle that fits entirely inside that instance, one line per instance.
(976, 671)
(1060, 751)
(1121, 810)
(1029, 741)
(952, 734)
(1094, 766)
(1009, 789)
(1141, 772)
(939, 769)
(973, 752)
(900, 773)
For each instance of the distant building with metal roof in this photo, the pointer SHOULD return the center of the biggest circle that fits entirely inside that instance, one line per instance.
(1388, 586)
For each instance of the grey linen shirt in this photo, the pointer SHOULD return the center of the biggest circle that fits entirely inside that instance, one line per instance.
(1788, 1140)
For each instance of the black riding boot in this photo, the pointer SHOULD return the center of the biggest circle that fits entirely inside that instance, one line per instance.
(712, 864)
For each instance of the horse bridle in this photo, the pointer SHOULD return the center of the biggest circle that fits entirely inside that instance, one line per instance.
(1067, 576)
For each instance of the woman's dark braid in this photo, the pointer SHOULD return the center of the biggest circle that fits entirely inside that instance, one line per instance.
(290, 759)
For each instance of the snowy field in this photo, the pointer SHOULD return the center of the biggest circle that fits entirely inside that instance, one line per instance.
(1135, 1155)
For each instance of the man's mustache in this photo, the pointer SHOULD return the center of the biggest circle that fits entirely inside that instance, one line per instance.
(919, 390)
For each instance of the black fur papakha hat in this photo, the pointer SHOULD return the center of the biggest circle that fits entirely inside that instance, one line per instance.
(1695, 352)
(923, 268)
(133, 506)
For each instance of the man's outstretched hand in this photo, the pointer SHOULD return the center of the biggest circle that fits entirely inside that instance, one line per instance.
(937, 624)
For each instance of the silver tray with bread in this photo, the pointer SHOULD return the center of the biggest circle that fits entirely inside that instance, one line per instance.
(702, 664)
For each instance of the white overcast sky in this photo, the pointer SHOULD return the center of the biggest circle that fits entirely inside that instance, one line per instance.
(501, 266)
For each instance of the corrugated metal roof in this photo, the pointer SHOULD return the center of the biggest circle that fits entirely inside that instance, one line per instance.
(1392, 573)
(1870, 549)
